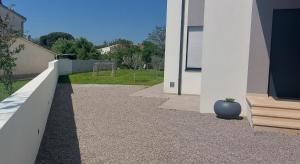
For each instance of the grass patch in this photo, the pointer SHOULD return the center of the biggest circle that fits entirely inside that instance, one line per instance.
(17, 85)
(123, 77)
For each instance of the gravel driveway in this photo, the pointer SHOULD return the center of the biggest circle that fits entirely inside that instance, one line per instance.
(96, 124)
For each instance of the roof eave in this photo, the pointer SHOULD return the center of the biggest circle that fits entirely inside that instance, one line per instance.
(19, 15)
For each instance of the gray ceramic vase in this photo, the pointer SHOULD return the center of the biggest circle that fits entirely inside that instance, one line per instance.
(227, 110)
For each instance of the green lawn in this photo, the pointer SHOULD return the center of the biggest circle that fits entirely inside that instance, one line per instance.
(123, 77)
(17, 85)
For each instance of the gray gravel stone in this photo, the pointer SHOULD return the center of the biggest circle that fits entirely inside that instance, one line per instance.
(102, 124)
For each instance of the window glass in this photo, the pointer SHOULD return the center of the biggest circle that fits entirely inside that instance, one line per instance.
(194, 47)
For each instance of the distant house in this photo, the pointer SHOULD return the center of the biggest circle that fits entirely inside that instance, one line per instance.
(16, 20)
(106, 50)
(33, 59)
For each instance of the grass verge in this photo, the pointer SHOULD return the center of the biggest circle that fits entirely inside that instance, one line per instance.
(123, 77)
(17, 85)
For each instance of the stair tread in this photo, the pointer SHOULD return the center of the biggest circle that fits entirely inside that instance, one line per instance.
(261, 100)
(276, 122)
(277, 130)
(280, 113)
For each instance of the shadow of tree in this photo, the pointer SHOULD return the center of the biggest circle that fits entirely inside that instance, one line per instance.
(60, 142)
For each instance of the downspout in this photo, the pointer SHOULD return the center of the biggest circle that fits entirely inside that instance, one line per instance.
(181, 47)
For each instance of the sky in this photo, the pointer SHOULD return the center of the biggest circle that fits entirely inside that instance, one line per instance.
(96, 20)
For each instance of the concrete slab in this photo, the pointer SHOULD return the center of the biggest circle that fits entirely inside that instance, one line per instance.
(183, 102)
(174, 102)
(152, 92)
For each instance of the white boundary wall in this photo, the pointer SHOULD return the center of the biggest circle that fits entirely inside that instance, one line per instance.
(67, 66)
(23, 116)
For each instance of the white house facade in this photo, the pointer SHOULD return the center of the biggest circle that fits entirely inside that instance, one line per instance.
(185, 56)
(236, 49)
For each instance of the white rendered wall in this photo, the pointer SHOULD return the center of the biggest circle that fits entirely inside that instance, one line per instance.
(191, 81)
(23, 117)
(226, 52)
(67, 66)
(79, 66)
(172, 45)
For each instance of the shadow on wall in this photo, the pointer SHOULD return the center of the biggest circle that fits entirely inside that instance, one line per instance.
(60, 142)
(265, 11)
(260, 46)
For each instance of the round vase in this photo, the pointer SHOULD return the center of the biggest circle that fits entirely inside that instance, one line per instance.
(227, 110)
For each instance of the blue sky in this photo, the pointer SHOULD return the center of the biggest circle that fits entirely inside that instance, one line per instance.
(97, 20)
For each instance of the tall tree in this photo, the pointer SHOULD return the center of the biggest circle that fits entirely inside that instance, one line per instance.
(157, 64)
(47, 41)
(8, 48)
(123, 42)
(63, 46)
(133, 61)
(158, 37)
(82, 48)
(85, 49)
(149, 50)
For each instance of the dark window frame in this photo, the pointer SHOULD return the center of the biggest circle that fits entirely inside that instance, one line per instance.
(193, 69)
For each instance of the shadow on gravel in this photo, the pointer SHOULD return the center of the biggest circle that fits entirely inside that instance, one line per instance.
(64, 79)
(60, 142)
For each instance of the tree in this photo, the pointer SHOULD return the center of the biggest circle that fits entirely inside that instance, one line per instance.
(47, 41)
(118, 55)
(85, 49)
(133, 61)
(149, 50)
(82, 48)
(123, 42)
(137, 61)
(156, 63)
(154, 45)
(8, 48)
(158, 37)
(63, 46)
